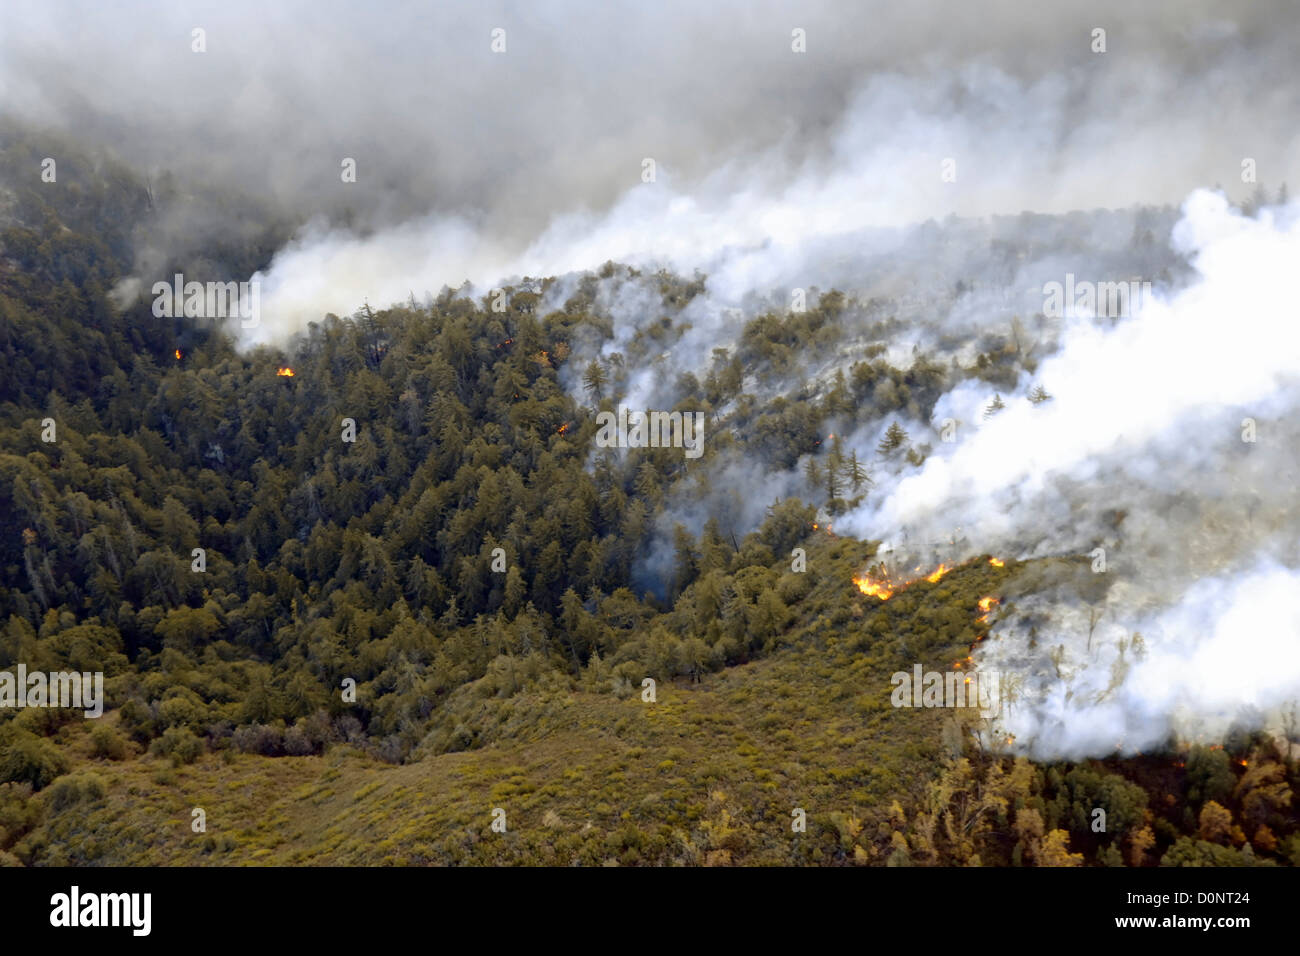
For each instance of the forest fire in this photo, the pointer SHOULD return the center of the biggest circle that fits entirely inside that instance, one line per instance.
(178, 355)
(563, 428)
(884, 588)
(938, 573)
(881, 589)
(284, 371)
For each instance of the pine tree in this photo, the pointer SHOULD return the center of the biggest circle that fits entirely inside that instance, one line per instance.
(813, 472)
(686, 559)
(994, 406)
(858, 475)
(895, 437)
(832, 483)
(835, 460)
(594, 379)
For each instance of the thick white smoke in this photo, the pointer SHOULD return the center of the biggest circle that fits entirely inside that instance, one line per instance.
(1227, 653)
(971, 140)
(1170, 441)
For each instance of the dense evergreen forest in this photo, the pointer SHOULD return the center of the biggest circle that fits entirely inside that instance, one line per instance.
(261, 591)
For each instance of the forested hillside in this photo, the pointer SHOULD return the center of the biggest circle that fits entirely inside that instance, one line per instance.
(276, 605)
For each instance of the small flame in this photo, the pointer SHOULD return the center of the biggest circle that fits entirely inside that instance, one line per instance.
(997, 563)
(881, 589)
(178, 355)
(939, 572)
(284, 371)
(562, 429)
(885, 588)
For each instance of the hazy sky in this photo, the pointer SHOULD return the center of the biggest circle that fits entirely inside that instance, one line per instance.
(561, 121)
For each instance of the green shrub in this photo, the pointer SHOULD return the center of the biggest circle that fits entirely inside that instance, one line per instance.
(107, 743)
(69, 791)
(178, 743)
(26, 758)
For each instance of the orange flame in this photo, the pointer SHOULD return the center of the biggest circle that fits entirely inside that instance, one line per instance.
(284, 371)
(562, 429)
(997, 563)
(881, 589)
(939, 572)
(178, 355)
(987, 604)
(885, 588)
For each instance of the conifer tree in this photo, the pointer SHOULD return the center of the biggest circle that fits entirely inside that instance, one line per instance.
(895, 437)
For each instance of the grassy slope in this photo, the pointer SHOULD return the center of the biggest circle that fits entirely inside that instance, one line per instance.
(707, 774)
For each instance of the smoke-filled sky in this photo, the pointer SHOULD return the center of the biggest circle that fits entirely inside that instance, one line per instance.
(480, 165)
